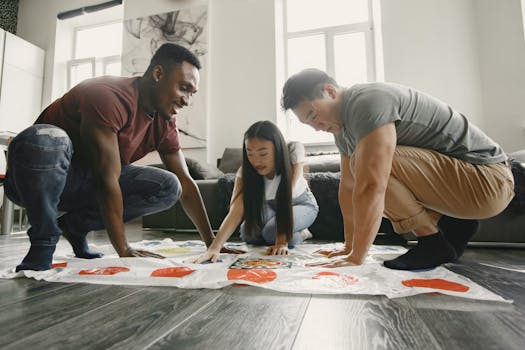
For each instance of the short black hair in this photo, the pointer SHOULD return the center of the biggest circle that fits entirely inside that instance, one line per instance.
(170, 53)
(305, 85)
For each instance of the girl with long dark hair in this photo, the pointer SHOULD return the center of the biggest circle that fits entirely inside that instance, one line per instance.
(270, 193)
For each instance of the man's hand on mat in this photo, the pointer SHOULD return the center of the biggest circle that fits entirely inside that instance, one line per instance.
(210, 255)
(334, 263)
(232, 251)
(277, 249)
(130, 252)
(334, 252)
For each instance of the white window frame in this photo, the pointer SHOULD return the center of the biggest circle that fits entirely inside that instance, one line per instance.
(329, 33)
(77, 62)
(104, 60)
(107, 61)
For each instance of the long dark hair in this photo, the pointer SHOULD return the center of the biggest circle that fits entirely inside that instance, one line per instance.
(253, 183)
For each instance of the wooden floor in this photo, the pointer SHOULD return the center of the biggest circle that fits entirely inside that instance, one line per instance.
(43, 315)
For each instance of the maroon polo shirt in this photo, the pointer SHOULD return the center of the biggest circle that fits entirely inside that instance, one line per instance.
(113, 102)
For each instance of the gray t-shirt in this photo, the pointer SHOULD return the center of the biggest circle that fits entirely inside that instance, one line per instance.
(421, 121)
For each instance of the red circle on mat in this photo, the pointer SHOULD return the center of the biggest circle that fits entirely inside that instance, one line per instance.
(60, 264)
(253, 275)
(172, 272)
(436, 283)
(336, 277)
(111, 270)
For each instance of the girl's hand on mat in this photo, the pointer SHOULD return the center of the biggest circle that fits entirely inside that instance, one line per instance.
(277, 249)
(232, 251)
(210, 255)
(130, 252)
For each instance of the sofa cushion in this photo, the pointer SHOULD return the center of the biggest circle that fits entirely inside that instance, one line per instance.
(329, 222)
(518, 171)
(202, 170)
(198, 170)
(231, 160)
(321, 163)
(518, 156)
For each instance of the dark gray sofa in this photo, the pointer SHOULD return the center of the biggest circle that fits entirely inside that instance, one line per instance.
(509, 226)
(322, 171)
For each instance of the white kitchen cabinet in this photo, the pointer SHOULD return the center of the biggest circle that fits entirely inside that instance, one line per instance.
(21, 80)
(22, 72)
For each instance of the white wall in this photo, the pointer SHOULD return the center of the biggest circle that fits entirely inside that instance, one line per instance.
(432, 46)
(37, 22)
(467, 52)
(242, 84)
(241, 65)
(22, 75)
(242, 59)
(502, 62)
(140, 8)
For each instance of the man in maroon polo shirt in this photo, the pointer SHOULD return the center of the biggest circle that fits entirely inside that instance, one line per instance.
(77, 159)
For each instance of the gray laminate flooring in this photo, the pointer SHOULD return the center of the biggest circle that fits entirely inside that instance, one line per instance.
(43, 315)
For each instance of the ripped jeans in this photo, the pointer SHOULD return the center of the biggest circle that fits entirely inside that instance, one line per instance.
(305, 210)
(44, 178)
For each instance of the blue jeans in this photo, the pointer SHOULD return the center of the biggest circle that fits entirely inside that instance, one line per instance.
(305, 211)
(44, 178)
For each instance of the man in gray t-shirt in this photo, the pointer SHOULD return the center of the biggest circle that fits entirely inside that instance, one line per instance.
(408, 156)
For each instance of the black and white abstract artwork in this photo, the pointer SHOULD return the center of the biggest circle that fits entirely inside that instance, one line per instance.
(188, 28)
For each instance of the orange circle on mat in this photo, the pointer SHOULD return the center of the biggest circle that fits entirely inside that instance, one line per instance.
(60, 264)
(172, 272)
(254, 275)
(111, 270)
(336, 277)
(436, 283)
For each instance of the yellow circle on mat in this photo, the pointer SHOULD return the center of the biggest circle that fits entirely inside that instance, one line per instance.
(174, 250)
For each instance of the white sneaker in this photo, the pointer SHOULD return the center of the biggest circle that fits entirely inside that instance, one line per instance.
(306, 234)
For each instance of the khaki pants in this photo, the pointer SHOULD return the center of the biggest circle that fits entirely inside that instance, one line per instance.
(425, 184)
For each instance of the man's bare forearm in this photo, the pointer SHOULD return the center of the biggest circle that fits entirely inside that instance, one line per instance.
(347, 211)
(111, 208)
(193, 205)
(368, 209)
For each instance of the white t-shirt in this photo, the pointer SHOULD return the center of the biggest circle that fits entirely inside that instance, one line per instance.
(297, 155)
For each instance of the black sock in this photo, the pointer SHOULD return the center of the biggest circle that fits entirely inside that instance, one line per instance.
(458, 231)
(39, 258)
(78, 242)
(430, 251)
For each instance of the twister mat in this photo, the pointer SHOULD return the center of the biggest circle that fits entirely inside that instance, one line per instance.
(281, 273)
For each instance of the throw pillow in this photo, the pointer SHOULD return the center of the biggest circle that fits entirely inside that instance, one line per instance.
(231, 160)
(323, 163)
(202, 170)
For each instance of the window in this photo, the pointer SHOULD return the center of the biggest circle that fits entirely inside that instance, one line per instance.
(333, 35)
(96, 52)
